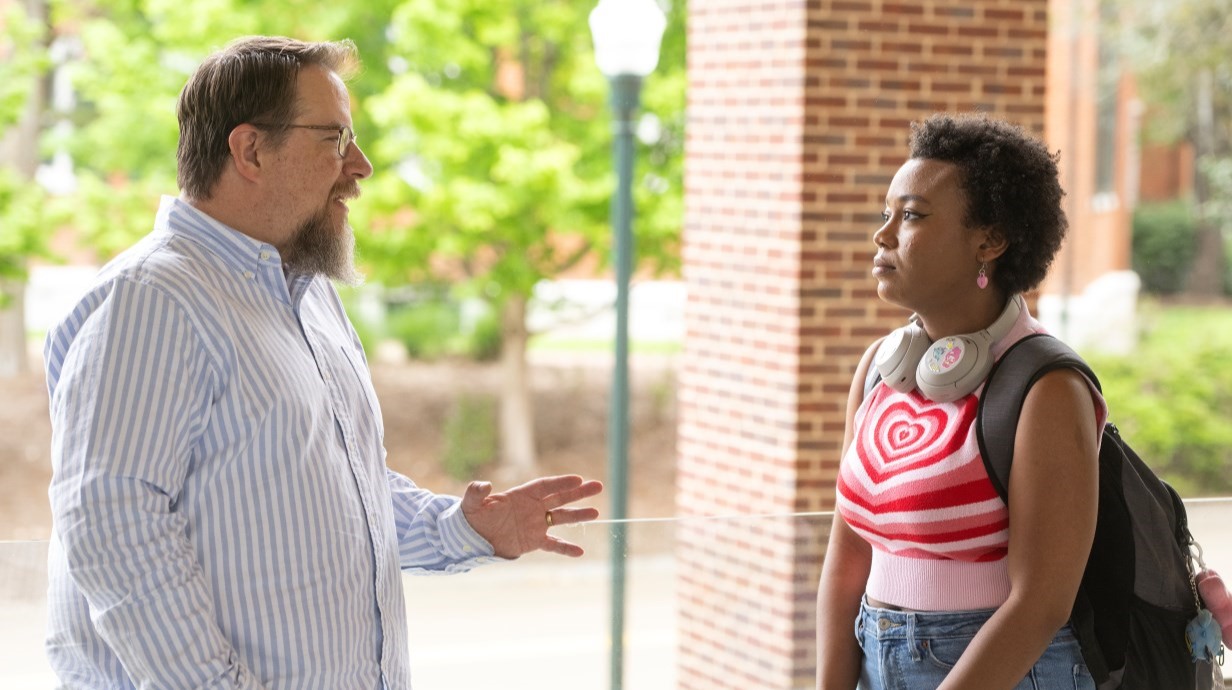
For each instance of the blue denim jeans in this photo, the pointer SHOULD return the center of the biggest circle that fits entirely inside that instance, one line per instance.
(915, 651)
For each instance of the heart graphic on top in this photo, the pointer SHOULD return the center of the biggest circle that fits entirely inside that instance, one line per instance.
(904, 431)
(904, 434)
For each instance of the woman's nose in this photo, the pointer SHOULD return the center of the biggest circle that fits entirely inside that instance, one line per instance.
(884, 235)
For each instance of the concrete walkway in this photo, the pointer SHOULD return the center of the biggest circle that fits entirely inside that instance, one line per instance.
(538, 624)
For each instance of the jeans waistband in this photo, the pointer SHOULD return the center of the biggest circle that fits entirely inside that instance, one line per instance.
(891, 624)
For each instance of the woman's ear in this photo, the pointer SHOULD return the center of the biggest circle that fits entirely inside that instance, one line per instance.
(992, 243)
(243, 142)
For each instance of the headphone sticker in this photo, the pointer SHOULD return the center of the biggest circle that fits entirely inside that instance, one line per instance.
(944, 354)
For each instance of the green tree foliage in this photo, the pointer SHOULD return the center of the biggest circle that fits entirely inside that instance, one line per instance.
(495, 108)
(486, 120)
(131, 59)
(494, 162)
(22, 56)
(23, 217)
(1179, 50)
(496, 132)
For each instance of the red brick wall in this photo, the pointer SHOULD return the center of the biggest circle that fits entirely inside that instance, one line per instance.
(798, 118)
(1167, 172)
(1099, 237)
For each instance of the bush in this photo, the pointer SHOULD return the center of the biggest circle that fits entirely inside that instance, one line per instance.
(427, 329)
(470, 436)
(433, 322)
(1163, 246)
(485, 339)
(1172, 399)
(369, 335)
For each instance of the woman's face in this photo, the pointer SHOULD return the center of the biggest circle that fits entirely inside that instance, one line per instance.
(927, 259)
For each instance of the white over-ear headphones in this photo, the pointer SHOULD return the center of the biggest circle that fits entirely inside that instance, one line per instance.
(946, 369)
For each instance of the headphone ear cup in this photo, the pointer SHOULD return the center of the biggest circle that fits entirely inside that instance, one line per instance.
(897, 357)
(952, 368)
(955, 366)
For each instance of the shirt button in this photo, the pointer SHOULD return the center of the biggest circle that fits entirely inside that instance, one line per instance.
(467, 549)
(265, 256)
(249, 275)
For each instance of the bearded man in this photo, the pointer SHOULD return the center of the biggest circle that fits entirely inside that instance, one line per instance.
(223, 515)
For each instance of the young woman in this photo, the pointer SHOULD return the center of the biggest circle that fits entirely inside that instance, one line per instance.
(944, 585)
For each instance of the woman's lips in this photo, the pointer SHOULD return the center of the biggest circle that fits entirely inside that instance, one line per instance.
(881, 267)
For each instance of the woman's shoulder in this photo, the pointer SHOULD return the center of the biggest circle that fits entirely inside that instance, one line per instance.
(1025, 325)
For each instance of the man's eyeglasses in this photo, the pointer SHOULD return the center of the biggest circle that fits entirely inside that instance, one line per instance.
(345, 135)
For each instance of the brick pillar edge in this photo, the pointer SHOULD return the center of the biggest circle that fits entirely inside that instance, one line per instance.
(798, 117)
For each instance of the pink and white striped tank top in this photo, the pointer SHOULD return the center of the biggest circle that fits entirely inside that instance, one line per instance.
(913, 484)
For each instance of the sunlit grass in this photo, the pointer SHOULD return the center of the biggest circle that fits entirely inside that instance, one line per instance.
(1171, 326)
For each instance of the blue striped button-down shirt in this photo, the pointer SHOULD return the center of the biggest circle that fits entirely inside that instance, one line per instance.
(223, 516)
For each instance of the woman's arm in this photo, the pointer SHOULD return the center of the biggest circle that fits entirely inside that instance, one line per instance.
(844, 574)
(843, 577)
(1054, 489)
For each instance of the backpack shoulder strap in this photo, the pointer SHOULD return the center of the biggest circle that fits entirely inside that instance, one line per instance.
(871, 379)
(1004, 393)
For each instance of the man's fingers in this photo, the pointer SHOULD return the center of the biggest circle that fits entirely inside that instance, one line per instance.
(580, 492)
(546, 486)
(569, 516)
(562, 547)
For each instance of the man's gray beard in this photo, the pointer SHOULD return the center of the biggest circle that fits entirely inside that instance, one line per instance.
(317, 249)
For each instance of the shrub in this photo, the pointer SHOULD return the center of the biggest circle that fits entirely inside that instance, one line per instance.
(1163, 246)
(427, 329)
(485, 339)
(1172, 399)
(470, 436)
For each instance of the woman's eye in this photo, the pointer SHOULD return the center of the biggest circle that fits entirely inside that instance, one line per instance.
(885, 216)
(910, 215)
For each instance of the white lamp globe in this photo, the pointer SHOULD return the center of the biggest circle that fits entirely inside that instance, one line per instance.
(627, 34)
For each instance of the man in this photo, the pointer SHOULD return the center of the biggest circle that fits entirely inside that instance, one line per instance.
(223, 516)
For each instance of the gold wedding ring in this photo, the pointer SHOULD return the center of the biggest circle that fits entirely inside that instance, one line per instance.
(548, 516)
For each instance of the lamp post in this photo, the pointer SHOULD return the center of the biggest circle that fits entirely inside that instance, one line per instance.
(627, 35)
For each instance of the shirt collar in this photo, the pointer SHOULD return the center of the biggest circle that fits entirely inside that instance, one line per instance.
(249, 258)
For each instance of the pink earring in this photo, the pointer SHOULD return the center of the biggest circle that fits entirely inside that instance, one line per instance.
(982, 278)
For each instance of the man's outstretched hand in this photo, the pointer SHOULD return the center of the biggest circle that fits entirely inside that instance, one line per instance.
(516, 521)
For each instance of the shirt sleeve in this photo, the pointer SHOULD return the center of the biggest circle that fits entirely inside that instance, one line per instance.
(433, 534)
(132, 397)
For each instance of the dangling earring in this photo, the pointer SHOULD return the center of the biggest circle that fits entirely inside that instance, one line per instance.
(982, 279)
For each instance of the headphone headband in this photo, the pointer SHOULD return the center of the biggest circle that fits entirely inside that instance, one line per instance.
(948, 368)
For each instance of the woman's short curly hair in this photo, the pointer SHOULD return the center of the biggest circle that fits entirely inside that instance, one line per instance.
(1011, 183)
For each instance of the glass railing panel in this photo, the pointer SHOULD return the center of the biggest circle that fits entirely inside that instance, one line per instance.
(23, 610)
(545, 622)
(1210, 521)
(541, 623)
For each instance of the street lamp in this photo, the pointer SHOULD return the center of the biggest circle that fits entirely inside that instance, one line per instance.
(627, 35)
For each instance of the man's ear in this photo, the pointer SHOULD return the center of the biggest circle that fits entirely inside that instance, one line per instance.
(244, 143)
(992, 243)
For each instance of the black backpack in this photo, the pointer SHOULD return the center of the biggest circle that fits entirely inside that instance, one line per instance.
(1137, 592)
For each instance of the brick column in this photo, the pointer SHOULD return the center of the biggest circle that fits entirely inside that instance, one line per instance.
(798, 118)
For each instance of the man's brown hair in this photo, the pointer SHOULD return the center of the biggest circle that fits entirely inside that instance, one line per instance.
(252, 79)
